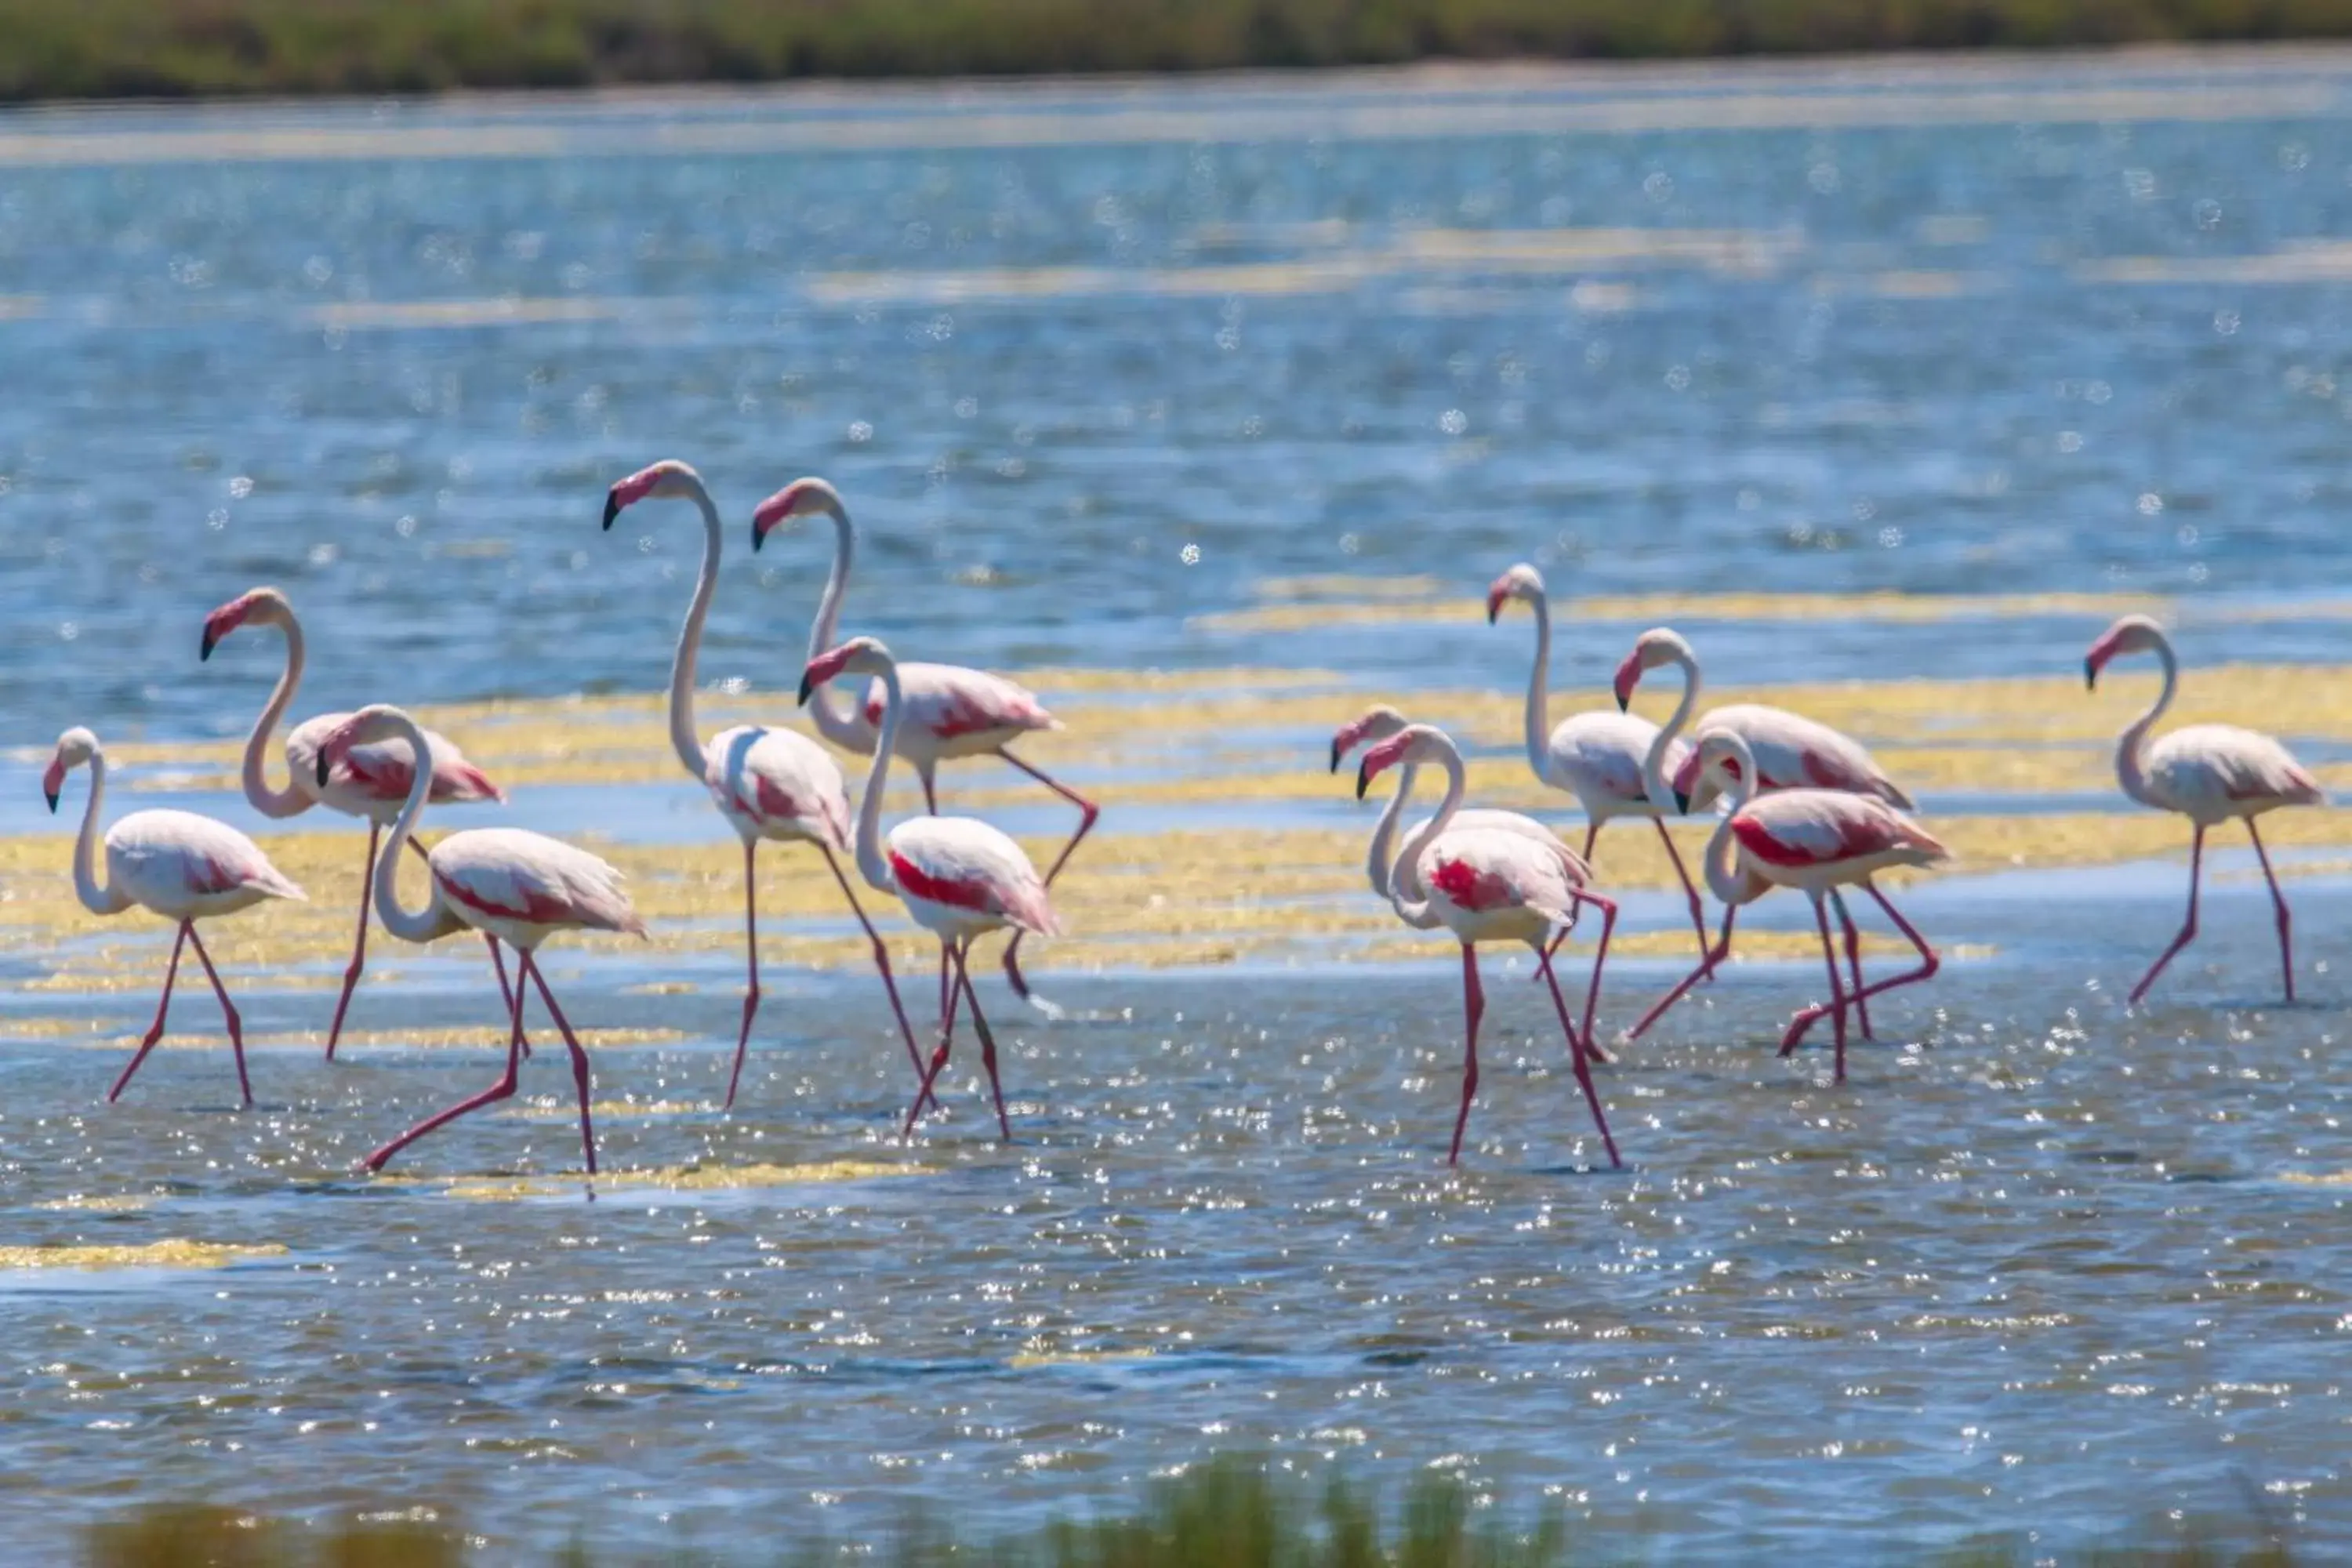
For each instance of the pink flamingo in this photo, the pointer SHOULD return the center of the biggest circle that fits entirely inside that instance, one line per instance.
(1814, 840)
(1793, 752)
(370, 783)
(512, 886)
(1596, 756)
(1488, 884)
(959, 877)
(951, 711)
(183, 867)
(2208, 773)
(768, 783)
(1380, 723)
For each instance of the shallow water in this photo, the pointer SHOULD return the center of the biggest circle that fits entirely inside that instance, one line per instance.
(1252, 382)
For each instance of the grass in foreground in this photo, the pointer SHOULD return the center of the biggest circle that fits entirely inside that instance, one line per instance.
(1230, 1513)
(107, 49)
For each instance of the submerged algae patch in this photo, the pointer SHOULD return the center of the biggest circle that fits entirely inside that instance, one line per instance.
(172, 1254)
(681, 1178)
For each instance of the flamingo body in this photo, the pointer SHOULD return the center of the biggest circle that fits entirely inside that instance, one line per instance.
(1814, 839)
(1492, 884)
(1791, 751)
(184, 867)
(2211, 773)
(522, 887)
(960, 877)
(1597, 757)
(370, 782)
(778, 785)
(951, 711)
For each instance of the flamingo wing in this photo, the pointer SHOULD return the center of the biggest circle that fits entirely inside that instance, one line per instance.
(382, 771)
(179, 853)
(964, 863)
(507, 873)
(1484, 869)
(779, 779)
(949, 701)
(1793, 752)
(1603, 752)
(1817, 827)
(2222, 771)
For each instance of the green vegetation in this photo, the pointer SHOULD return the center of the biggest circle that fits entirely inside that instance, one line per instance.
(107, 49)
(1232, 1513)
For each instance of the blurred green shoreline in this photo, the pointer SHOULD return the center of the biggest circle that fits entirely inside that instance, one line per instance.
(1236, 1511)
(191, 48)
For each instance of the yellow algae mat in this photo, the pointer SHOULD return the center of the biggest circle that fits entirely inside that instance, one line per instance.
(174, 1253)
(670, 1178)
(1204, 757)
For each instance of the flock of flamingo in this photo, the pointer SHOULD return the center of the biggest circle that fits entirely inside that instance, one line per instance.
(1800, 805)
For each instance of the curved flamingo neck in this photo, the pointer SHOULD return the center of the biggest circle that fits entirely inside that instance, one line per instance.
(870, 863)
(1539, 715)
(98, 898)
(1379, 857)
(1416, 912)
(434, 920)
(1654, 764)
(1723, 879)
(2132, 744)
(683, 737)
(290, 801)
(836, 718)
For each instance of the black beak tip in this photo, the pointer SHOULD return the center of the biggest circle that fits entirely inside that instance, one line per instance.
(1336, 756)
(1623, 703)
(204, 650)
(2089, 676)
(52, 795)
(1363, 783)
(758, 538)
(612, 510)
(1682, 801)
(1492, 611)
(807, 686)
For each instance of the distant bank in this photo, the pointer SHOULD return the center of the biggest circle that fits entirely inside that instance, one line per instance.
(177, 48)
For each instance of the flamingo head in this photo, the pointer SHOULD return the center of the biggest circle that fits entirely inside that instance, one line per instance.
(1377, 722)
(1411, 744)
(858, 655)
(259, 606)
(668, 479)
(802, 498)
(75, 747)
(1715, 765)
(1522, 581)
(1653, 647)
(2132, 634)
(377, 721)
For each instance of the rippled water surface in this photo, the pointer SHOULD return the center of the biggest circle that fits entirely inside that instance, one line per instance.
(1253, 385)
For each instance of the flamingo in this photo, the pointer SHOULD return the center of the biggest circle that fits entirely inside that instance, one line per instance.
(952, 712)
(183, 867)
(1596, 756)
(512, 886)
(959, 877)
(1814, 840)
(1793, 752)
(2208, 773)
(768, 783)
(1487, 884)
(1380, 723)
(370, 783)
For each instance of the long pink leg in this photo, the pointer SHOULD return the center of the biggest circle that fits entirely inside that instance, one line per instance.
(1928, 964)
(497, 1091)
(1706, 967)
(1583, 1070)
(1608, 908)
(1591, 832)
(154, 1032)
(359, 943)
(2188, 928)
(881, 959)
(1087, 812)
(1690, 888)
(987, 1040)
(1474, 1007)
(949, 999)
(506, 994)
(750, 962)
(572, 1043)
(228, 1011)
(1836, 1007)
(1546, 975)
(1854, 963)
(2286, 921)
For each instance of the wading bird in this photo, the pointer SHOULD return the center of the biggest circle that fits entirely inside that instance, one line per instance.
(951, 712)
(183, 867)
(1380, 723)
(959, 877)
(1814, 840)
(512, 886)
(1488, 884)
(371, 782)
(1596, 756)
(2208, 773)
(1790, 752)
(768, 783)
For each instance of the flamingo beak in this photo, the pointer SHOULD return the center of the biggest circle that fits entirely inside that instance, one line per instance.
(2090, 675)
(53, 799)
(611, 508)
(325, 767)
(1681, 800)
(1363, 777)
(204, 650)
(1337, 755)
(807, 687)
(1493, 607)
